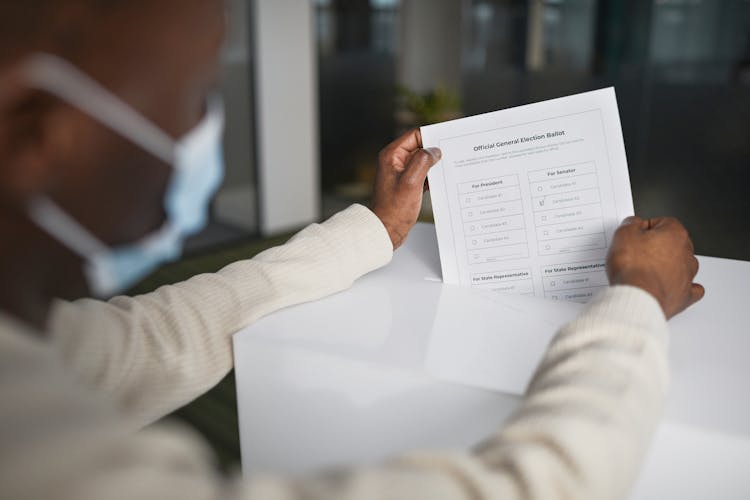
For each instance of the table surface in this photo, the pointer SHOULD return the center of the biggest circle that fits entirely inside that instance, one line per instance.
(344, 386)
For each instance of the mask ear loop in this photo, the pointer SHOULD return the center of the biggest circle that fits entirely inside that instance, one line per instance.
(71, 234)
(62, 79)
(64, 228)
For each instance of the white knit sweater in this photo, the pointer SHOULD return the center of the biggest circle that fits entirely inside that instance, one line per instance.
(75, 401)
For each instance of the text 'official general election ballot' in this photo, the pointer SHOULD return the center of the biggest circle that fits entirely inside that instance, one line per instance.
(526, 200)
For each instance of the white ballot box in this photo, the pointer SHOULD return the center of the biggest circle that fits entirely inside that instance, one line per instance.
(402, 361)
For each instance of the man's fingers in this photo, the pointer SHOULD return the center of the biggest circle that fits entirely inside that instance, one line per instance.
(634, 222)
(650, 223)
(694, 266)
(417, 168)
(696, 293)
(630, 225)
(435, 153)
(407, 143)
(633, 219)
(665, 222)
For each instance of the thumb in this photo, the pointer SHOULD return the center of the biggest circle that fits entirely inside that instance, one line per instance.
(418, 166)
(696, 293)
(634, 221)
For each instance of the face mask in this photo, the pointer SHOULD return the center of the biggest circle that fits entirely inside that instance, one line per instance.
(198, 170)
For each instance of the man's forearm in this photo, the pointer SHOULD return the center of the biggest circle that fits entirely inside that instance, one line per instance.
(580, 432)
(158, 351)
(593, 404)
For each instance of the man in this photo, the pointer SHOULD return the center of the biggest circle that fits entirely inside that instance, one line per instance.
(108, 156)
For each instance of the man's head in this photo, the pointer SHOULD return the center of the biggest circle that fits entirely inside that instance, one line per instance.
(159, 57)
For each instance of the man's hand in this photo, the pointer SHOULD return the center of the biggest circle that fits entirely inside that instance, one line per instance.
(400, 183)
(657, 256)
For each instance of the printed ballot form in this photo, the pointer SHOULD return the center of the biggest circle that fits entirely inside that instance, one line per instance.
(526, 200)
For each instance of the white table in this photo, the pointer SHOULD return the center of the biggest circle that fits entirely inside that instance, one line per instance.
(346, 386)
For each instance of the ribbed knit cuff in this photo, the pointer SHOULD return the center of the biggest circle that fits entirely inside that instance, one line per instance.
(630, 306)
(364, 242)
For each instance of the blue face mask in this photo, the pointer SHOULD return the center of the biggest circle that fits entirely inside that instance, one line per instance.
(198, 169)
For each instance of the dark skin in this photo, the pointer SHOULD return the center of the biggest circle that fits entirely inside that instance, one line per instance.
(164, 66)
(656, 255)
(164, 61)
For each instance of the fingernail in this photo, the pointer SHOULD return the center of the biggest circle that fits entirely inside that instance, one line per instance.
(435, 153)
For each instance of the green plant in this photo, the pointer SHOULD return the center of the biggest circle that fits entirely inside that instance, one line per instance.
(435, 106)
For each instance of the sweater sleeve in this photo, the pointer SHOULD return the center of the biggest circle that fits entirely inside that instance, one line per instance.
(156, 352)
(580, 432)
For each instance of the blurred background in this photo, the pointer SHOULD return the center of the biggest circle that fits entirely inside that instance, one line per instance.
(344, 77)
(316, 88)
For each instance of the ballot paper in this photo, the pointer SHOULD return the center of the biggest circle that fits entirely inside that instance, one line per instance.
(481, 339)
(526, 200)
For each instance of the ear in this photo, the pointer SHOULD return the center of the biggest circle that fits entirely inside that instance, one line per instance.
(32, 133)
